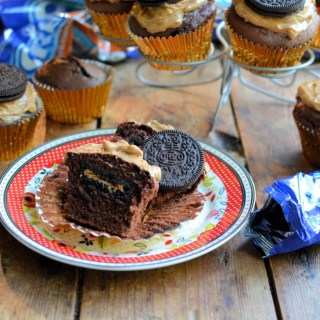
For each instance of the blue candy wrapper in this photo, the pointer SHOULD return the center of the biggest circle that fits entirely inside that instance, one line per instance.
(33, 32)
(290, 218)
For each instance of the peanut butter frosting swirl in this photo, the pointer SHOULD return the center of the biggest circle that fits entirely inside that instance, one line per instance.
(309, 93)
(15, 110)
(123, 150)
(291, 25)
(166, 16)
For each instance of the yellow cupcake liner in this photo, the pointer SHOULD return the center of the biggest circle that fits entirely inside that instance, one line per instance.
(316, 41)
(310, 141)
(17, 138)
(77, 106)
(113, 26)
(188, 47)
(246, 52)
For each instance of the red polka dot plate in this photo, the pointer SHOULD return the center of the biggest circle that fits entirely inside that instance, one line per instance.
(229, 197)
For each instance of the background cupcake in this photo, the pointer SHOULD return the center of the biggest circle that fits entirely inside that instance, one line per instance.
(74, 90)
(271, 34)
(173, 31)
(20, 109)
(111, 18)
(307, 116)
(316, 41)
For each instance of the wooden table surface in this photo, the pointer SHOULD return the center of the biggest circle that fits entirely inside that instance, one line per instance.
(231, 282)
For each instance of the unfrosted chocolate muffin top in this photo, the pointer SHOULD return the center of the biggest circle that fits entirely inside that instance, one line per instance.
(70, 73)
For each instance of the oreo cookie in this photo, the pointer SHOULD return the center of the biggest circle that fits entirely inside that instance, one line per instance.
(155, 3)
(179, 156)
(13, 83)
(276, 8)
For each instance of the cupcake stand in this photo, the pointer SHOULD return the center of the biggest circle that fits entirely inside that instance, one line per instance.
(280, 77)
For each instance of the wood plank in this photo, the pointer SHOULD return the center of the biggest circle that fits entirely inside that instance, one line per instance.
(40, 287)
(32, 286)
(217, 285)
(55, 129)
(273, 151)
(184, 108)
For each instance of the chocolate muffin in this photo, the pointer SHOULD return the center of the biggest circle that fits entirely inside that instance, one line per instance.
(74, 90)
(70, 73)
(111, 18)
(307, 117)
(20, 109)
(272, 35)
(172, 31)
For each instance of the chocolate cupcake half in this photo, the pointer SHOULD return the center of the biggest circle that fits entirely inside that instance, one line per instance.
(74, 90)
(172, 31)
(275, 35)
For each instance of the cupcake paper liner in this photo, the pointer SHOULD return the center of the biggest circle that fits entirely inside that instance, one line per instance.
(17, 138)
(76, 106)
(316, 41)
(112, 25)
(246, 52)
(310, 141)
(188, 47)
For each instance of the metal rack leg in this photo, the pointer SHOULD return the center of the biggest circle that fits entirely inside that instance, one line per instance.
(230, 72)
(265, 91)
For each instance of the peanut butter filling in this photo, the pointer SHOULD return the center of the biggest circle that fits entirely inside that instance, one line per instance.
(166, 16)
(15, 110)
(309, 93)
(291, 25)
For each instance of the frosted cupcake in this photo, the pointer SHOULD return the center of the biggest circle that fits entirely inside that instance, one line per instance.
(272, 34)
(20, 109)
(307, 116)
(316, 41)
(172, 31)
(74, 90)
(111, 18)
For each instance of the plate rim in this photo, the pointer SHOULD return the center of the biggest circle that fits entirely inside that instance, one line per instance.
(233, 229)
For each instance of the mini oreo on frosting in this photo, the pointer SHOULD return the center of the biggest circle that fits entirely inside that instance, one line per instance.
(13, 83)
(276, 8)
(155, 3)
(179, 156)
